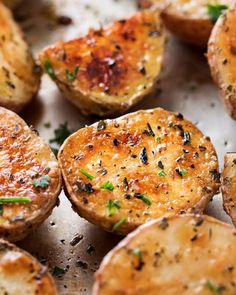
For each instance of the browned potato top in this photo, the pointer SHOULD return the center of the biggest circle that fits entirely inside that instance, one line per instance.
(180, 255)
(113, 66)
(21, 274)
(138, 167)
(28, 169)
(229, 185)
(222, 58)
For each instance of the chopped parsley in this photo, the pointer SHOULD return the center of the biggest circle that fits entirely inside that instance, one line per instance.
(108, 186)
(86, 174)
(137, 252)
(119, 223)
(113, 207)
(72, 75)
(1, 209)
(49, 69)
(215, 10)
(58, 271)
(158, 139)
(42, 182)
(143, 198)
(181, 171)
(162, 173)
(4, 200)
(61, 134)
(215, 288)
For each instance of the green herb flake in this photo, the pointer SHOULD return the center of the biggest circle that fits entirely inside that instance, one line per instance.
(1, 209)
(215, 288)
(162, 173)
(181, 171)
(137, 252)
(61, 134)
(86, 174)
(42, 182)
(164, 224)
(49, 69)
(58, 271)
(119, 223)
(158, 139)
(113, 207)
(54, 150)
(215, 10)
(108, 186)
(72, 75)
(143, 198)
(47, 124)
(13, 199)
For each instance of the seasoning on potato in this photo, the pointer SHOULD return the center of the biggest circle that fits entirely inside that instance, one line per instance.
(124, 172)
(29, 175)
(110, 69)
(19, 76)
(23, 274)
(222, 59)
(177, 255)
(229, 185)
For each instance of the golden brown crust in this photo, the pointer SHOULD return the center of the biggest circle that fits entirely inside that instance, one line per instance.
(222, 59)
(180, 255)
(24, 159)
(157, 162)
(229, 185)
(110, 69)
(19, 81)
(20, 273)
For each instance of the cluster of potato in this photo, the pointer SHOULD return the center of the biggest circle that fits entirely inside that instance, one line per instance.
(148, 174)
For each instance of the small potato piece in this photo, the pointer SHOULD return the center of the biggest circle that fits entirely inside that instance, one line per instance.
(187, 19)
(110, 69)
(122, 173)
(28, 169)
(222, 58)
(229, 185)
(22, 274)
(19, 81)
(180, 255)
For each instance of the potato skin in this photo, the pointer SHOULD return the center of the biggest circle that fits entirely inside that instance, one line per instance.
(25, 158)
(139, 162)
(22, 274)
(186, 19)
(229, 185)
(118, 65)
(19, 81)
(222, 59)
(180, 255)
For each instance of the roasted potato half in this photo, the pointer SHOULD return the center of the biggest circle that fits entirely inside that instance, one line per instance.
(180, 255)
(190, 20)
(122, 173)
(229, 185)
(111, 69)
(22, 274)
(222, 58)
(29, 176)
(19, 77)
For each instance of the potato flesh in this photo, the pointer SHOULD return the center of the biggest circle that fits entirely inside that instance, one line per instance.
(222, 59)
(182, 255)
(24, 157)
(229, 185)
(114, 155)
(18, 80)
(22, 274)
(118, 65)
